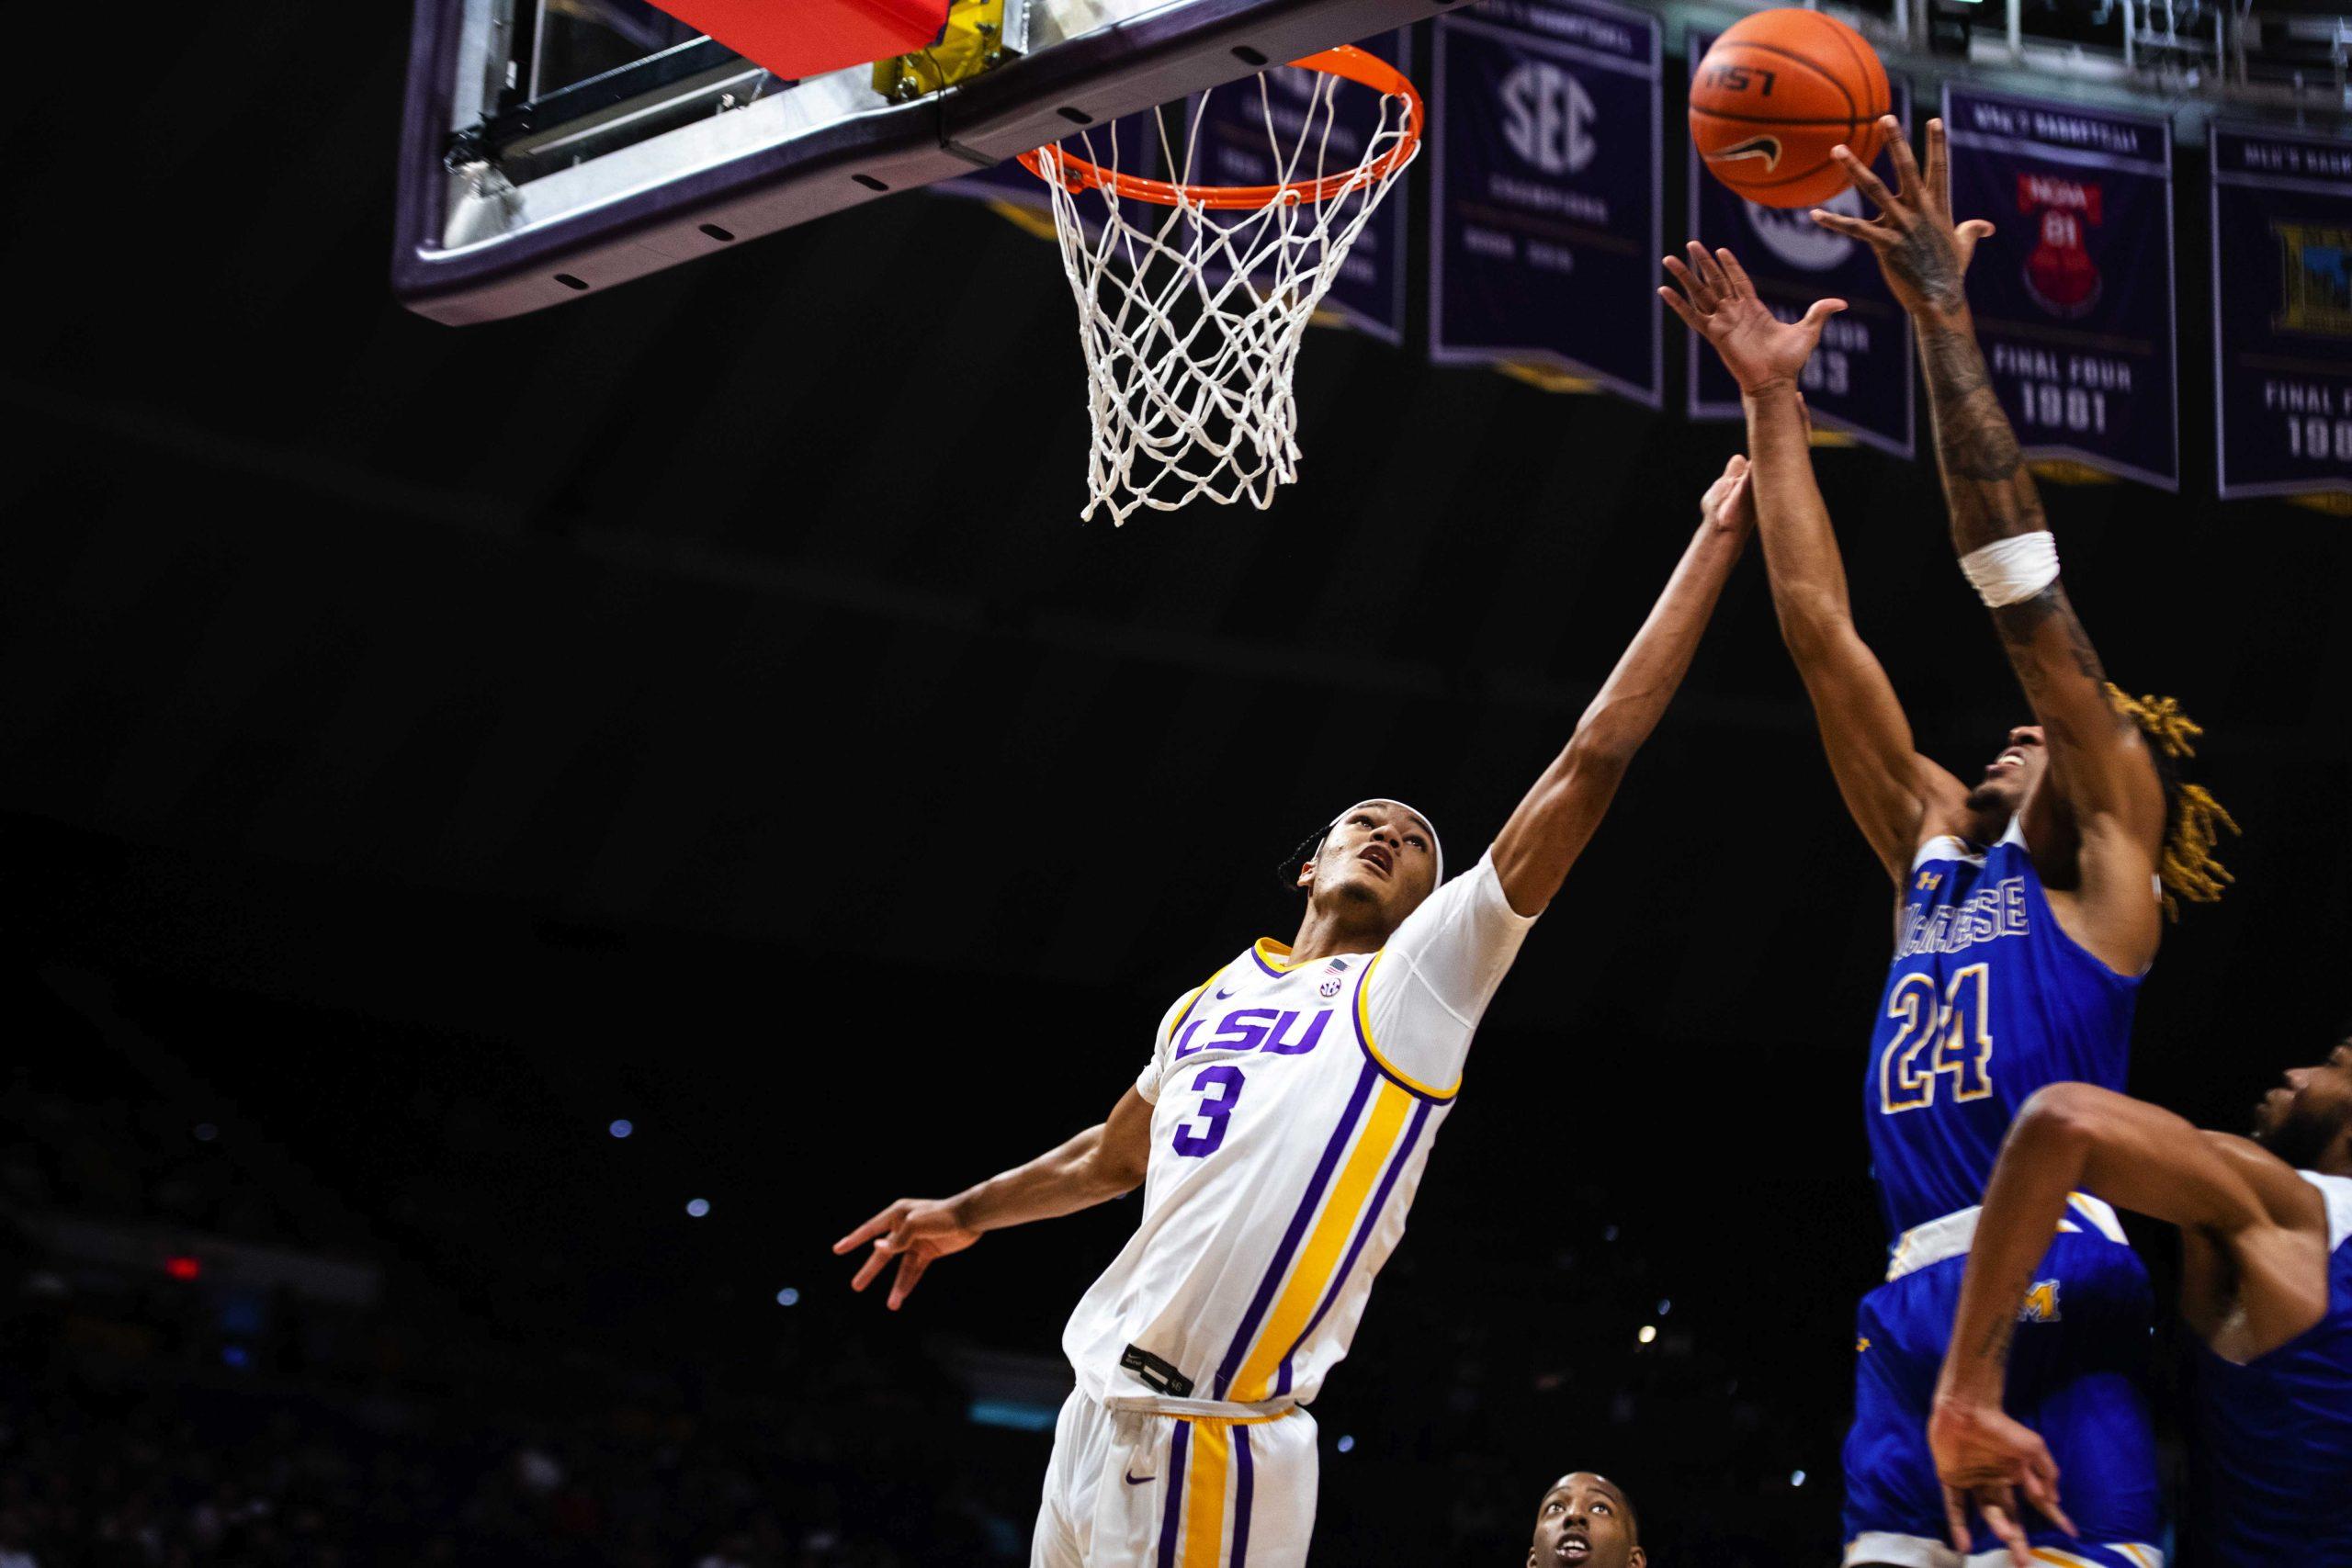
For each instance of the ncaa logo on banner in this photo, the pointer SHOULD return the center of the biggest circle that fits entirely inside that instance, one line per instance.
(1547, 117)
(1797, 240)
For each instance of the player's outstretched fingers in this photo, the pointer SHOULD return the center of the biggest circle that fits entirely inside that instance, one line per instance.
(867, 1271)
(1818, 316)
(1956, 1518)
(1703, 298)
(1965, 239)
(1898, 149)
(1704, 266)
(902, 1284)
(2040, 1483)
(1680, 307)
(1735, 276)
(1853, 228)
(870, 1229)
(1869, 183)
(1999, 1509)
(1938, 182)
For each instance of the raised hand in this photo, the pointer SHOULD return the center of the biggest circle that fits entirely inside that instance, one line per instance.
(918, 1232)
(1986, 1458)
(1729, 505)
(1923, 255)
(1719, 303)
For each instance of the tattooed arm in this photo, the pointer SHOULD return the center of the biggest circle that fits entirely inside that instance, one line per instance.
(2104, 801)
(2226, 1193)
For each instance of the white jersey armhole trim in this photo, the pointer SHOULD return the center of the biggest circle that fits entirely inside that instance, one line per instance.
(1944, 846)
(2338, 1191)
(1364, 1036)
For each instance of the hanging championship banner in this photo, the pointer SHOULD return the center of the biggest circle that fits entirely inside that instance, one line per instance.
(2282, 311)
(1858, 381)
(2073, 295)
(1545, 144)
(1232, 148)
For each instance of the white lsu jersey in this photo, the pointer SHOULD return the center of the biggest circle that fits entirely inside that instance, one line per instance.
(1294, 1108)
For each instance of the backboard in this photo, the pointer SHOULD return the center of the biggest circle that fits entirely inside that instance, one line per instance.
(556, 148)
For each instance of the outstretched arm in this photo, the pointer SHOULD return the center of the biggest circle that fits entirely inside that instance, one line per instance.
(1100, 1163)
(2072, 1137)
(2100, 771)
(1887, 785)
(1556, 818)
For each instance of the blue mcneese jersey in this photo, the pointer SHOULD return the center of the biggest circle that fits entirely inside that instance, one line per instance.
(2274, 1436)
(1986, 1001)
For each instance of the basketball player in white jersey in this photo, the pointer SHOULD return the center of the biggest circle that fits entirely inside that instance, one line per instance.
(1279, 1130)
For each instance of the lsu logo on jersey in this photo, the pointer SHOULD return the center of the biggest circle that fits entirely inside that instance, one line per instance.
(2040, 1303)
(1280, 1031)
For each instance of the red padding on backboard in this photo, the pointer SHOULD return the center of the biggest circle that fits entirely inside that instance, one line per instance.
(807, 38)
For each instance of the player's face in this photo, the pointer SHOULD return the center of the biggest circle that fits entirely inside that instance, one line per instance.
(1583, 1522)
(1379, 853)
(2305, 1116)
(2011, 779)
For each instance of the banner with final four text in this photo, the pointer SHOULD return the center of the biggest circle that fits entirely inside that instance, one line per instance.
(2073, 295)
(2282, 311)
(1859, 382)
(1545, 152)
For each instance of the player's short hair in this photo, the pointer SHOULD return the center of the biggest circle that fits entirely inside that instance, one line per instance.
(2193, 818)
(1312, 845)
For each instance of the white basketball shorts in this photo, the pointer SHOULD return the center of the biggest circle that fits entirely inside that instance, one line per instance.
(1131, 1489)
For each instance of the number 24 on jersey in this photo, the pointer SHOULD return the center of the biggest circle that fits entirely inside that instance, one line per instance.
(1949, 1035)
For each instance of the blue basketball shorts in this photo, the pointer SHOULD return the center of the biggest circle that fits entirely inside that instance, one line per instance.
(2076, 1372)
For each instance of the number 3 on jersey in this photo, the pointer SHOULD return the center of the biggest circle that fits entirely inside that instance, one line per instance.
(1220, 1090)
(1955, 1037)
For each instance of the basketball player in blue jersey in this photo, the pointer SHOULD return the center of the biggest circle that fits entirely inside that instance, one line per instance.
(1585, 1521)
(2025, 913)
(1280, 1126)
(2266, 1229)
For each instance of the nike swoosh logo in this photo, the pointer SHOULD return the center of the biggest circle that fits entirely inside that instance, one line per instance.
(1765, 147)
(1221, 996)
(1137, 1479)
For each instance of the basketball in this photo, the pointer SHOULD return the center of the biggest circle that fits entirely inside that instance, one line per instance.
(1775, 94)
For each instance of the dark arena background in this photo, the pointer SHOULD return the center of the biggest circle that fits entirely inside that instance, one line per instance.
(518, 836)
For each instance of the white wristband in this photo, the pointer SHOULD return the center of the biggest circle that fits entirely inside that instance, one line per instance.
(2009, 569)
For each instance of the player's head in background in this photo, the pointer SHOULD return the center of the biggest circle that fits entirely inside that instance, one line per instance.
(2193, 818)
(2307, 1120)
(1585, 1521)
(1371, 866)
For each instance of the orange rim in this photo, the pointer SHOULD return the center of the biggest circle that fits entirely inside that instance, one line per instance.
(1346, 60)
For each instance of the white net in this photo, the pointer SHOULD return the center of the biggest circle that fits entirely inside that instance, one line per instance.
(1192, 315)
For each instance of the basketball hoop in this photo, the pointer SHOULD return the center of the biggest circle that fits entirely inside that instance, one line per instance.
(1192, 299)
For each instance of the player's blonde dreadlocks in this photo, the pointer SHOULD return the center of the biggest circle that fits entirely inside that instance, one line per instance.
(2186, 867)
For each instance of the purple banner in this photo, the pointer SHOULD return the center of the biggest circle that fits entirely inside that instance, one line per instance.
(2282, 311)
(1858, 381)
(1239, 128)
(2073, 295)
(1546, 150)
